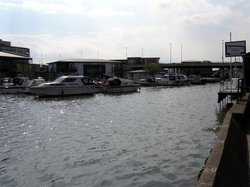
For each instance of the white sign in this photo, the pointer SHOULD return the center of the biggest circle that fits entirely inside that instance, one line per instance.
(236, 48)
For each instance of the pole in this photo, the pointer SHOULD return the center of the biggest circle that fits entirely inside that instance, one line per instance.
(170, 55)
(231, 64)
(230, 59)
(181, 53)
(126, 52)
(222, 51)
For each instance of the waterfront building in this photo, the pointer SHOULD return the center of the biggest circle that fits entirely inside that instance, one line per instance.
(15, 61)
(5, 46)
(134, 67)
(11, 65)
(95, 68)
(143, 61)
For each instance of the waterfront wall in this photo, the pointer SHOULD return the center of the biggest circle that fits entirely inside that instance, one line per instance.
(227, 164)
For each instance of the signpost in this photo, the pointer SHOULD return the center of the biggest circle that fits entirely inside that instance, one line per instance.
(235, 48)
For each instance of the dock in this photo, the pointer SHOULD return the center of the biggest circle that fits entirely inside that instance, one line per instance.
(233, 93)
(228, 162)
(232, 88)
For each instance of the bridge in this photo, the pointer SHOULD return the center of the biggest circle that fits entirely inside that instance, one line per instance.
(221, 65)
(202, 68)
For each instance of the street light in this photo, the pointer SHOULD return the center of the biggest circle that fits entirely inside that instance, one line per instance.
(126, 52)
(170, 51)
(181, 53)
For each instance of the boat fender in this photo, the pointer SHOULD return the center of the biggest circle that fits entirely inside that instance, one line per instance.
(62, 92)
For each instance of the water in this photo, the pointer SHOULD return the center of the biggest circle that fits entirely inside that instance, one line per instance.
(156, 137)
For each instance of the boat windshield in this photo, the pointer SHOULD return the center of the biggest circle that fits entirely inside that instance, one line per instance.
(60, 79)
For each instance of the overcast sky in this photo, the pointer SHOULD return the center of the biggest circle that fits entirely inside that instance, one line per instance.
(107, 29)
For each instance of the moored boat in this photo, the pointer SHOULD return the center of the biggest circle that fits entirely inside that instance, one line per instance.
(113, 84)
(15, 85)
(196, 79)
(64, 86)
(32, 83)
(166, 80)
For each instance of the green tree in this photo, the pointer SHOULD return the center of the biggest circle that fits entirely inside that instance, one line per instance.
(153, 69)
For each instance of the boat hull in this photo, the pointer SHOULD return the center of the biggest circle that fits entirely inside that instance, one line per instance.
(63, 91)
(119, 89)
(11, 89)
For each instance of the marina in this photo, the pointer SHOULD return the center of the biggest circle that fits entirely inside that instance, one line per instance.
(145, 138)
(124, 94)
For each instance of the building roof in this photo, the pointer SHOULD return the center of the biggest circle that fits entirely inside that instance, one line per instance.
(101, 61)
(10, 55)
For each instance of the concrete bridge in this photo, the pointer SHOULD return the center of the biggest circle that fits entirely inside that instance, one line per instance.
(203, 68)
(191, 64)
(203, 65)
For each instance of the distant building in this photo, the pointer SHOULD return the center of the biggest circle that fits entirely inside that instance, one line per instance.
(97, 67)
(16, 61)
(5, 46)
(140, 60)
(89, 67)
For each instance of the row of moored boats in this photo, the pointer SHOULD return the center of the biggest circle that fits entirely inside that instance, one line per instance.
(82, 85)
(68, 85)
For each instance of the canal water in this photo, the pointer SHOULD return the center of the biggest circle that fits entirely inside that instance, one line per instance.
(156, 137)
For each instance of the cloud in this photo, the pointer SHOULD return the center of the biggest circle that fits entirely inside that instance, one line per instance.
(112, 44)
(85, 28)
(47, 7)
(106, 11)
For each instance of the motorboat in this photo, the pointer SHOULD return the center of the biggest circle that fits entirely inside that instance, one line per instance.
(15, 85)
(166, 80)
(148, 82)
(113, 84)
(173, 80)
(196, 79)
(32, 83)
(66, 85)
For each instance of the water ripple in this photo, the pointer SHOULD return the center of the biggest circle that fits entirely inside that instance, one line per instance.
(152, 138)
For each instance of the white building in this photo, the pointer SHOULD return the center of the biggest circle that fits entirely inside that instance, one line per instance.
(87, 67)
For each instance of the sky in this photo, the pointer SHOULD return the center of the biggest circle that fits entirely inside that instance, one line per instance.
(173, 30)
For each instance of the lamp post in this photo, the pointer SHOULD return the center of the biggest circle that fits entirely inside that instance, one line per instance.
(170, 51)
(126, 52)
(181, 53)
(222, 51)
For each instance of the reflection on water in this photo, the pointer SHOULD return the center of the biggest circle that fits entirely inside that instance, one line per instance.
(156, 137)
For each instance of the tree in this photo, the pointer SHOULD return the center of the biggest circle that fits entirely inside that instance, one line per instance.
(153, 69)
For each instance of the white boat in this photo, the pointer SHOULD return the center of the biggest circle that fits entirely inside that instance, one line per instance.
(166, 80)
(113, 84)
(32, 83)
(196, 79)
(172, 80)
(15, 85)
(64, 86)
